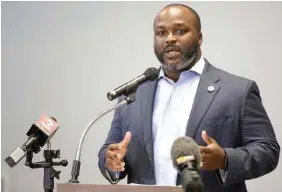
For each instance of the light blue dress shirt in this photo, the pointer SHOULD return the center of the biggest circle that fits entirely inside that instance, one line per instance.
(172, 106)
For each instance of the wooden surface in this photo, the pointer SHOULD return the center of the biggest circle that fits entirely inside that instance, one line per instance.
(70, 187)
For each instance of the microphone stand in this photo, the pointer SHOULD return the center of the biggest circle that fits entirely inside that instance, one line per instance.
(76, 163)
(49, 171)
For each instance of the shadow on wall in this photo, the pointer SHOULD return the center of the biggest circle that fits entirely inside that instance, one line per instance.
(2, 183)
(5, 182)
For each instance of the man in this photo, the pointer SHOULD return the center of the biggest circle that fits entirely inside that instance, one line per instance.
(222, 112)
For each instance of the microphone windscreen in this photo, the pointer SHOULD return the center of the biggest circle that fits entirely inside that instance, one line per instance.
(151, 73)
(185, 146)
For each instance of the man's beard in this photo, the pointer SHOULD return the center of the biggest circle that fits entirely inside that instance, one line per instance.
(188, 58)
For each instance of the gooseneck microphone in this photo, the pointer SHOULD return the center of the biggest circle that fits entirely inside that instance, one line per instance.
(76, 163)
(128, 90)
(186, 158)
(150, 74)
(39, 133)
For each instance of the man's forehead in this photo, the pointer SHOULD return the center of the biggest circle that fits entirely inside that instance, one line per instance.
(174, 12)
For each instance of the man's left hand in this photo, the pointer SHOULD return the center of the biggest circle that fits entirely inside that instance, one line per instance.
(213, 156)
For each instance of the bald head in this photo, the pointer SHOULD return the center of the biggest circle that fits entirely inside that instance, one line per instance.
(183, 8)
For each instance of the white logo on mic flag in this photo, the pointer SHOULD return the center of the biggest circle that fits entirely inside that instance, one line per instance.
(47, 125)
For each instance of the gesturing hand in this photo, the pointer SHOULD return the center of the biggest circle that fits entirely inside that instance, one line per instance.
(116, 152)
(213, 156)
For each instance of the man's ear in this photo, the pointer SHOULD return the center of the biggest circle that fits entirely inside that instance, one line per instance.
(200, 38)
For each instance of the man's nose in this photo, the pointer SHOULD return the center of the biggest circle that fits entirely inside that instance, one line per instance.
(170, 38)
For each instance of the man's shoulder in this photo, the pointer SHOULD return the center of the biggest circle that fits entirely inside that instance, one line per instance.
(225, 75)
(231, 84)
(229, 77)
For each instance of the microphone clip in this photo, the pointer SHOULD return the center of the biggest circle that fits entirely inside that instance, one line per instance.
(130, 98)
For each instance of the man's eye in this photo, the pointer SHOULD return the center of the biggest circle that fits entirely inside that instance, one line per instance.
(160, 33)
(180, 31)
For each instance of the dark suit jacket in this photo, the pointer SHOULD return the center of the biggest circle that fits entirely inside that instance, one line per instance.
(232, 114)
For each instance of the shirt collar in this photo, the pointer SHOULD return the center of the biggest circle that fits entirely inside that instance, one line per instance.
(198, 68)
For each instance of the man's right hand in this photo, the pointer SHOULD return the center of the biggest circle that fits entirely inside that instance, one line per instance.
(116, 152)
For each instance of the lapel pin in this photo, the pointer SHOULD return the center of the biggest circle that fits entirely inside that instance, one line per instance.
(211, 88)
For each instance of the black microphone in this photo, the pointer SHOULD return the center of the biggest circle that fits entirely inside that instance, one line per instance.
(186, 159)
(131, 86)
(39, 133)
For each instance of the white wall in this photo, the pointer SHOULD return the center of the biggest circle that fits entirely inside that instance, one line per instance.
(61, 58)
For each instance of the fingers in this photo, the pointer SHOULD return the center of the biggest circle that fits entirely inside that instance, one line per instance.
(206, 138)
(113, 154)
(113, 147)
(205, 166)
(114, 160)
(124, 143)
(205, 156)
(115, 164)
(116, 152)
(205, 161)
(205, 150)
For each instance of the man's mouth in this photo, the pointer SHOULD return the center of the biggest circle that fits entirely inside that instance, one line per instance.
(172, 52)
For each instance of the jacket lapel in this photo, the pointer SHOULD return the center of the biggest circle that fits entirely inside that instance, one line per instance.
(147, 106)
(206, 92)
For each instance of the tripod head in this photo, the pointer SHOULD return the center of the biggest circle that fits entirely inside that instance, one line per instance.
(49, 172)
